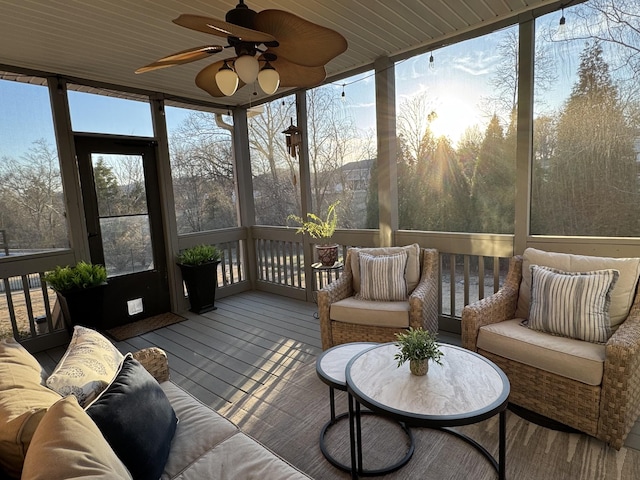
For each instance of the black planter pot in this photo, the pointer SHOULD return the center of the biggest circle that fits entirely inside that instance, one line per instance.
(82, 307)
(201, 282)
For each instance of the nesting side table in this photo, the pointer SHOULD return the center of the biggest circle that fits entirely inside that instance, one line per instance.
(331, 369)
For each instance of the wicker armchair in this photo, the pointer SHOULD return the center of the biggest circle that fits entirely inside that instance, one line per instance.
(420, 310)
(606, 411)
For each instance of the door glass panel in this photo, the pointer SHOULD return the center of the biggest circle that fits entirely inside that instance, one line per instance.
(123, 213)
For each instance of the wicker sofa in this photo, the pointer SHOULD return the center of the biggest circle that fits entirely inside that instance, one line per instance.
(55, 437)
(592, 388)
(345, 318)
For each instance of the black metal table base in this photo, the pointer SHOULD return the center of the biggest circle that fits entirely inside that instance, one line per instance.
(356, 445)
(498, 465)
(355, 435)
(363, 472)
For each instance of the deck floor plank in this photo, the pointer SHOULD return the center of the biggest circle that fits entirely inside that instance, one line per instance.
(250, 340)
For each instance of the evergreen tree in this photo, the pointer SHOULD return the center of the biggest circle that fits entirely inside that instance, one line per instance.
(107, 189)
(593, 174)
(494, 179)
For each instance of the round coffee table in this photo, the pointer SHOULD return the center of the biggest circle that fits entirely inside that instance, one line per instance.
(331, 368)
(466, 389)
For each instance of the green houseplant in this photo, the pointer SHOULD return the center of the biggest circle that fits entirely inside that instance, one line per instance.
(320, 229)
(80, 292)
(418, 346)
(199, 267)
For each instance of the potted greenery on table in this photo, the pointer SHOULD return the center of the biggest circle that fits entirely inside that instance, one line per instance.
(323, 229)
(199, 267)
(418, 346)
(80, 292)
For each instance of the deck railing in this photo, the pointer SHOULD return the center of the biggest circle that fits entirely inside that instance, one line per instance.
(28, 308)
(472, 266)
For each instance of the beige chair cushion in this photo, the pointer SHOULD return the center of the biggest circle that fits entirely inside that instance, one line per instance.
(67, 444)
(366, 312)
(412, 272)
(621, 296)
(575, 359)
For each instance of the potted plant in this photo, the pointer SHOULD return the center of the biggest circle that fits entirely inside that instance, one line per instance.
(418, 346)
(80, 292)
(322, 229)
(199, 267)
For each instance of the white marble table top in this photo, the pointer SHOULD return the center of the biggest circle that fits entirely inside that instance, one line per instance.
(332, 363)
(466, 385)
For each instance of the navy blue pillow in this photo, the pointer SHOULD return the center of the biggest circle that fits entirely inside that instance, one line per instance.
(136, 418)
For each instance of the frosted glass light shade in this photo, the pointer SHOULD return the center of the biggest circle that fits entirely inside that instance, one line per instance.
(269, 80)
(247, 68)
(227, 81)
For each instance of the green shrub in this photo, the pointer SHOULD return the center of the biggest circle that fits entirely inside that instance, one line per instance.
(198, 255)
(82, 275)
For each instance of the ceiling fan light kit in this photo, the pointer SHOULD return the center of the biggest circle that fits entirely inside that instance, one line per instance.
(247, 68)
(268, 79)
(227, 80)
(294, 51)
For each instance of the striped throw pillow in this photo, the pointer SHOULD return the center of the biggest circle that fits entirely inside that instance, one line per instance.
(382, 277)
(572, 304)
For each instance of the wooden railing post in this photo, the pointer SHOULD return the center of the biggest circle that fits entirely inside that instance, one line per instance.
(5, 243)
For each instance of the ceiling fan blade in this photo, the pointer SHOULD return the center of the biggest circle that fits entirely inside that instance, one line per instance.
(206, 79)
(302, 42)
(179, 58)
(294, 75)
(222, 29)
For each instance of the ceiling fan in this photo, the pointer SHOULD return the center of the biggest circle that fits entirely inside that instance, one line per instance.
(274, 47)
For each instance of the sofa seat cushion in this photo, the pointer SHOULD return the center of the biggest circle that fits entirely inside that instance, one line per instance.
(575, 359)
(241, 457)
(622, 294)
(199, 430)
(366, 312)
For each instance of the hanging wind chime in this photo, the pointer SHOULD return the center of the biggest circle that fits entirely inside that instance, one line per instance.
(293, 136)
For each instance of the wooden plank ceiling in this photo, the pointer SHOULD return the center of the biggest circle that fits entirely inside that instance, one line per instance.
(106, 40)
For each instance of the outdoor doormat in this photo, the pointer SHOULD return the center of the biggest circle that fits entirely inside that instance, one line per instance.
(124, 332)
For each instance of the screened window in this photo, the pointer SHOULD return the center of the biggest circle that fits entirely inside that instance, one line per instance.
(587, 124)
(103, 113)
(202, 170)
(32, 209)
(456, 121)
(275, 171)
(342, 150)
